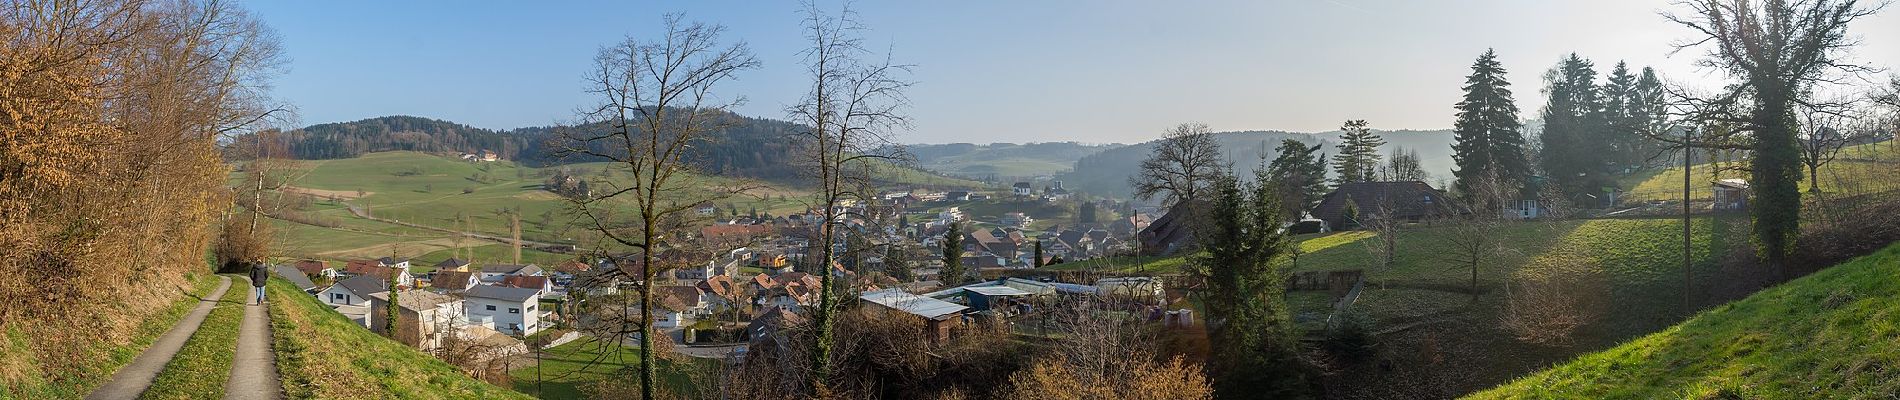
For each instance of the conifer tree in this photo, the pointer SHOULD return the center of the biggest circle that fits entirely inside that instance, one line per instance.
(1358, 159)
(1299, 172)
(952, 273)
(1487, 136)
(1247, 314)
(1575, 127)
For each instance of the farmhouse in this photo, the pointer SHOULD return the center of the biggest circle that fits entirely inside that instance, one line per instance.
(1407, 201)
(1022, 189)
(1173, 231)
(454, 281)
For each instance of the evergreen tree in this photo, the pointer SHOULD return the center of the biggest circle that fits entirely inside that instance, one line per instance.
(392, 311)
(1487, 136)
(1576, 140)
(952, 273)
(1358, 159)
(1299, 173)
(1038, 261)
(1247, 314)
(1624, 134)
(1086, 212)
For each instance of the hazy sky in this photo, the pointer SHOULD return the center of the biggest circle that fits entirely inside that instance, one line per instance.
(990, 71)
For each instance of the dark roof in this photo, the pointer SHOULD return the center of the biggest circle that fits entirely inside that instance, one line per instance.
(1173, 231)
(501, 293)
(364, 285)
(1022, 184)
(451, 263)
(1405, 200)
(295, 276)
(525, 281)
(456, 280)
(391, 260)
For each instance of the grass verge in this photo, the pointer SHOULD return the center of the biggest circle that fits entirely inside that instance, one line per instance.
(1832, 334)
(323, 355)
(200, 368)
(22, 377)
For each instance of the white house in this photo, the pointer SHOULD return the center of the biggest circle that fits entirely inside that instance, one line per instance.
(678, 306)
(512, 309)
(354, 291)
(1022, 189)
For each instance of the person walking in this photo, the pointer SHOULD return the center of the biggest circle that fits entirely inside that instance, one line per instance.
(258, 276)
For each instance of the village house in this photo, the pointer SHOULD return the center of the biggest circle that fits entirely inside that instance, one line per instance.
(1173, 231)
(315, 268)
(452, 264)
(1016, 219)
(511, 310)
(1022, 189)
(540, 284)
(495, 272)
(454, 281)
(382, 269)
(705, 209)
(1407, 201)
(677, 306)
(354, 291)
(956, 195)
(426, 317)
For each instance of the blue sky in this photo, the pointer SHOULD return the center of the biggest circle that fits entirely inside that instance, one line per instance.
(995, 71)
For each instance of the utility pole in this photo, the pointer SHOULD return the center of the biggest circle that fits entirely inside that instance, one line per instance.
(1688, 299)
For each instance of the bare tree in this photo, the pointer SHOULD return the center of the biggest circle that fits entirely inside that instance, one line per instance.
(849, 112)
(1182, 166)
(657, 102)
(1472, 240)
(1824, 132)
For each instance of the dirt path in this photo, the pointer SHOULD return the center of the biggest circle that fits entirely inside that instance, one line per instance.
(254, 368)
(132, 380)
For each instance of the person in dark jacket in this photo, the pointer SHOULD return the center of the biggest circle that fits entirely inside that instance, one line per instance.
(258, 276)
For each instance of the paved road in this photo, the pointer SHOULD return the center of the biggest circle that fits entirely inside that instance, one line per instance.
(132, 380)
(254, 368)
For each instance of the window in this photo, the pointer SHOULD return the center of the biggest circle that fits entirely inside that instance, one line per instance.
(514, 327)
(490, 307)
(336, 297)
(512, 310)
(530, 308)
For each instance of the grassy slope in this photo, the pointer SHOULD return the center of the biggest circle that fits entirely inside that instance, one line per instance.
(1856, 167)
(566, 370)
(321, 354)
(1832, 334)
(428, 190)
(16, 356)
(199, 368)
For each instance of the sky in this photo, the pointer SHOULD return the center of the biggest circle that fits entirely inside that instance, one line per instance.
(998, 71)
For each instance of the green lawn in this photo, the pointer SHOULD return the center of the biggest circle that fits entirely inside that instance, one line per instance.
(24, 378)
(1833, 334)
(199, 369)
(566, 370)
(323, 355)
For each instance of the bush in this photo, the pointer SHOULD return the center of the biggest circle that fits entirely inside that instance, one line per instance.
(467, 190)
(1350, 337)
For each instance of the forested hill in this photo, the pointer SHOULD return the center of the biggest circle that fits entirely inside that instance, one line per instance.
(754, 147)
(1003, 160)
(1106, 173)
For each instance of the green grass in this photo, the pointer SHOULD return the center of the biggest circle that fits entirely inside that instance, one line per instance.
(199, 369)
(566, 370)
(1157, 265)
(96, 364)
(1858, 169)
(1833, 334)
(322, 354)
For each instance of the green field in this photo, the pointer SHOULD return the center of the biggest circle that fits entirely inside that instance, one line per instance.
(565, 371)
(439, 192)
(1832, 334)
(322, 354)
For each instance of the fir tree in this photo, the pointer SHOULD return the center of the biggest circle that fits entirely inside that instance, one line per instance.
(1247, 314)
(1487, 136)
(1575, 135)
(1299, 171)
(1358, 159)
(952, 273)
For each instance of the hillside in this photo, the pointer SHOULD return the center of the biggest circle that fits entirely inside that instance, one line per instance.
(1828, 335)
(1867, 168)
(1107, 172)
(1003, 160)
(322, 354)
